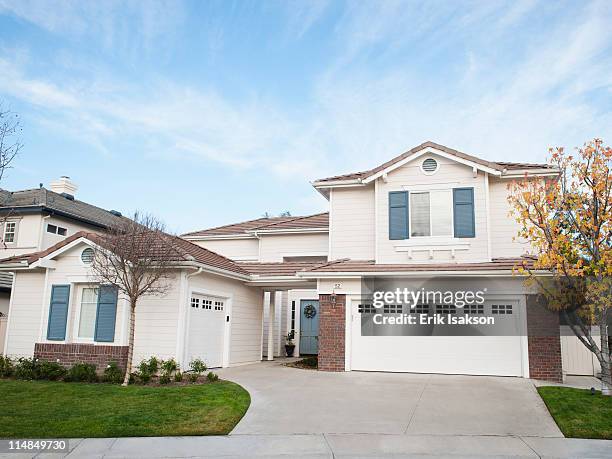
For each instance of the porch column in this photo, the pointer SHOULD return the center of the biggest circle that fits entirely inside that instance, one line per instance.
(271, 320)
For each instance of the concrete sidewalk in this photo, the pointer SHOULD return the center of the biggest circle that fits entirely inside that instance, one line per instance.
(334, 446)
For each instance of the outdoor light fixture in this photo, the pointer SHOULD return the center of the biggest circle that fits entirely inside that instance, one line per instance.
(333, 299)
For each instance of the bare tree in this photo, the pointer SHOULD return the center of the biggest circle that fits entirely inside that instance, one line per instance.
(136, 257)
(10, 127)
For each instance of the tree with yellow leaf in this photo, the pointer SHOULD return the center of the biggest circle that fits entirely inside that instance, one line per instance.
(568, 222)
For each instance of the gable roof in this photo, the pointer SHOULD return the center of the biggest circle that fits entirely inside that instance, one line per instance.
(43, 200)
(308, 222)
(181, 251)
(501, 167)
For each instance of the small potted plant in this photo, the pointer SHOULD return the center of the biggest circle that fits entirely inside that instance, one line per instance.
(289, 346)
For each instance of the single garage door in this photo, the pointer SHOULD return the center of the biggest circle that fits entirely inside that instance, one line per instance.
(206, 330)
(469, 355)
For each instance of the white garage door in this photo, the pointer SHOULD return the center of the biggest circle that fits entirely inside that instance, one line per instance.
(470, 355)
(206, 330)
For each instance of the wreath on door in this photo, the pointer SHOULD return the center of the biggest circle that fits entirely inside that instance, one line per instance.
(310, 311)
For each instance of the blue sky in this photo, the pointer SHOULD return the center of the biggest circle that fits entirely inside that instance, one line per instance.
(209, 112)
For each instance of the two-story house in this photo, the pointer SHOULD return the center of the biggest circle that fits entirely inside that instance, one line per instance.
(36, 219)
(432, 217)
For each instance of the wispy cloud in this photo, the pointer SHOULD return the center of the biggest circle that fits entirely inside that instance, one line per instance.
(401, 73)
(120, 26)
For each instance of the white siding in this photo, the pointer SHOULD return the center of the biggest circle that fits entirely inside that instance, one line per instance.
(70, 270)
(274, 247)
(157, 324)
(352, 223)
(49, 239)
(28, 236)
(410, 178)
(504, 227)
(246, 315)
(25, 314)
(240, 249)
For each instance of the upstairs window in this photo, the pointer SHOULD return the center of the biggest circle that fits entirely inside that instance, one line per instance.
(447, 213)
(10, 231)
(431, 213)
(54, 229)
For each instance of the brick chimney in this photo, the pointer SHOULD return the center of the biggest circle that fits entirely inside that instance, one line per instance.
(64, 186)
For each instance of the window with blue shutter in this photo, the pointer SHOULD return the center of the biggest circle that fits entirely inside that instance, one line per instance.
(106, 314)
(398, 215)
(58, 312)
(463, 212)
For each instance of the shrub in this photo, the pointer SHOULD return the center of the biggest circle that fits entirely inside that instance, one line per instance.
(164, 379)
(193, 377)
(152, 365)
(51, 371)
(143, 378)
(6, 367)
(113, 374)
(169, 366)
(82, 372)
(197, 366)
(212, 377)
(178, 376)
(26, 369)
(147, 369)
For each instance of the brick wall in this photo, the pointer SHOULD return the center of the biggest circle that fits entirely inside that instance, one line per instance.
(69, 354)
(544, 342)
(332, 320)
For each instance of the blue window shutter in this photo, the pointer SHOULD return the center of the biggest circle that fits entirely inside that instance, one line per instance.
(463, 212)
(398, 215)
(58, 312)
(106, 314)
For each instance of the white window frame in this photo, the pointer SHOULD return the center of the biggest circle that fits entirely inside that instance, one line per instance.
(15, 224)
(57, 228)
(452, 220)
(77, 314)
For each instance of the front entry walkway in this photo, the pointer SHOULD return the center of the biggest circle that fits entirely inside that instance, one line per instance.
(294, 401)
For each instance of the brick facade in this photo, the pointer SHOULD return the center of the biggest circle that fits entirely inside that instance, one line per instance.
(544, 342)
(332, 318)
(69, 354)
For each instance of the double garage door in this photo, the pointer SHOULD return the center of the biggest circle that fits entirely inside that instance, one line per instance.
(206, 330)
(469, 355)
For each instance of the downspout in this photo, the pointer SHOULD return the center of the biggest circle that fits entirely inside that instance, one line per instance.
(182, 318)
(198, 271)
(42, 232)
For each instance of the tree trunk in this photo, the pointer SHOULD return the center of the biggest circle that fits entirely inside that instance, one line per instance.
(606, 375)
(130, 355)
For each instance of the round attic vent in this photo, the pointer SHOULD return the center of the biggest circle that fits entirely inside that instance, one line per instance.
(87, 256)
(429, 166)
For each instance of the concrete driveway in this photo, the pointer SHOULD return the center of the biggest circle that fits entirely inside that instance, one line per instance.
(294, 401)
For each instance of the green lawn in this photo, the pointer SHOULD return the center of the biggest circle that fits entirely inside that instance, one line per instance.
(32, 409)
(578, 413)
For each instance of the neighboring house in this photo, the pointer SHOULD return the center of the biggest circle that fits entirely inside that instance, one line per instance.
(35, 219)
(430, 213)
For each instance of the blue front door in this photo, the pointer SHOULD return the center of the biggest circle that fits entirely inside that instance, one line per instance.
(309, 326)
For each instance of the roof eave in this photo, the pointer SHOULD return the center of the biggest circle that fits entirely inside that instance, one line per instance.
(431, 150)
(212, 237)
(519, 173)
(290, 231)
(457, 273)
(213, 270)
